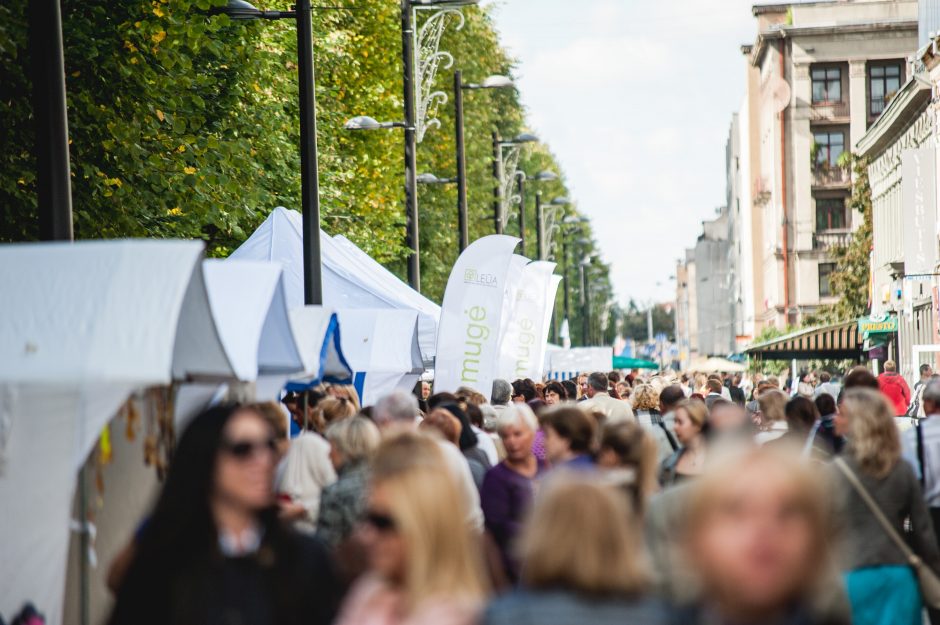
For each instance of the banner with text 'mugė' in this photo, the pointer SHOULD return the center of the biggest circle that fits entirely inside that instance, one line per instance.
(471, 315)
(521, 349)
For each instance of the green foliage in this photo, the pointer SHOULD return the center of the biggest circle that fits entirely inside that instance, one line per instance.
(184, 125)
(852, 276)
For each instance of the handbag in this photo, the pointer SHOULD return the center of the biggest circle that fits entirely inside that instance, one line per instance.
(929, 582)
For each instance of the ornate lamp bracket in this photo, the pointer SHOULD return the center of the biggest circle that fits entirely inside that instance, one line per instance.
(430, 59)
(509, 155)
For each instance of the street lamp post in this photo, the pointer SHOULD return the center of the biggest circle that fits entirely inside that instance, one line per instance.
(420, 101)
(520, 181)
(411, 146)
(491, 82)
(309, 178)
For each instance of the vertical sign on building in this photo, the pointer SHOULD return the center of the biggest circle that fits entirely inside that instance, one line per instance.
(919, 196)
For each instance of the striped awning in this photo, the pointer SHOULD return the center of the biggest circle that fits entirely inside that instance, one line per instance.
(839, 341)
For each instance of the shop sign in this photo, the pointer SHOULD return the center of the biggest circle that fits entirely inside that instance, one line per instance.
(877, 324)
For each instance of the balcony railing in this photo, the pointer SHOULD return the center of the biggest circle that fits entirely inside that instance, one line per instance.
(826, 175)
(829, 239)
(826, 111)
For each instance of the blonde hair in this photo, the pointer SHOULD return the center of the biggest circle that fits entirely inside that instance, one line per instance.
(347, 392)
(333, 409)
(773, 404)
(645, 397)
(443, 553)
(873, 436)
(608, 561)
(697, 411)
(711, 491)
(355, 439)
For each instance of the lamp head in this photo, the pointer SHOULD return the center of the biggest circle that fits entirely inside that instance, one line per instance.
(362, 122)
(496, 81)
(238, 10)
(525, 137)
(562, 201)
(428, 178)
(545, 176)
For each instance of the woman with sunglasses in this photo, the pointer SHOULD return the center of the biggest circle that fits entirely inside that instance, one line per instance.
(424, 561)
(213, 549)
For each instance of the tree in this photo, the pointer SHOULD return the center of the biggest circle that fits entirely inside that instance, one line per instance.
(185, 125)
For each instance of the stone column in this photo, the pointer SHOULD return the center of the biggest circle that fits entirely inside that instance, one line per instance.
(858, 103)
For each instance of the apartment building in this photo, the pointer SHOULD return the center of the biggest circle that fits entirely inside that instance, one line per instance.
(818, 75)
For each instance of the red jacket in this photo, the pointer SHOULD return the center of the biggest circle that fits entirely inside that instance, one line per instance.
(896, 390)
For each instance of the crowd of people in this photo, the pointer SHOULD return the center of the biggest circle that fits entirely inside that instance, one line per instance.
(722, 499)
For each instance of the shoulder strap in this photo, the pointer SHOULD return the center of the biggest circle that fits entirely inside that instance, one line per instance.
(920, 452)
(672, 440)
(876, 510)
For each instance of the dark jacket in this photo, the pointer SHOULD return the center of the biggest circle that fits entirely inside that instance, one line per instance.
(895, 388)
(864, 541)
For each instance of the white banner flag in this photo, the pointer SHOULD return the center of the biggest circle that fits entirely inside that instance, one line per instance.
(550, 294)
(514, 278)
(522, 347)
(471, 315)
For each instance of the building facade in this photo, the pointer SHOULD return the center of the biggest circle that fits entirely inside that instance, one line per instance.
(902, 151)
(824, 72)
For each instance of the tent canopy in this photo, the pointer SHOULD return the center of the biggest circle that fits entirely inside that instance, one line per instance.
(351, 279)
(717, 365)
(84, 325)
(840, 341)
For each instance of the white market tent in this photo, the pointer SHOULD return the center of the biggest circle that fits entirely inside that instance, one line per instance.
(351, 279)
(382, 348)
(564, 364)
(86, 325)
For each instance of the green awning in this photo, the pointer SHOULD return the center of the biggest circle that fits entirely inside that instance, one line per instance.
(840, 341)
(621, 362)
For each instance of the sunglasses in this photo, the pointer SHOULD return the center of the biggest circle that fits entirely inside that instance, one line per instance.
(243, 450)
(380, 522)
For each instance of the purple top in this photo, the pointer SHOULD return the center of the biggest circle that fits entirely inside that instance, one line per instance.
(538, 445)
(505, 497)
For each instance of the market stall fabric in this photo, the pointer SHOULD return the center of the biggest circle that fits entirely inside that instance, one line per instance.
(351, 279)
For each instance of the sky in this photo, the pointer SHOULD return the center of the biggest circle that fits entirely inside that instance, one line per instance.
(635, 100)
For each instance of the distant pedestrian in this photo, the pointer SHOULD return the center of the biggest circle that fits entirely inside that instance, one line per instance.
(773, 417)
(882, 586)
(916, 408)
(599, 400)
(895, 388)
(569, 436)
(508, 487)
(689, 460)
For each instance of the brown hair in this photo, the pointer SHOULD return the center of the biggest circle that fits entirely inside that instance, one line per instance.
(772, 404)
(637, 450)
(608, 562)
(273, 414)
(570, 423)
(873, 436)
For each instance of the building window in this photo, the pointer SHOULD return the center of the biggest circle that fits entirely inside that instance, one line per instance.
(827, 85)
(831, 214)
(829, 146)
(883, 82)
(825, 273)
